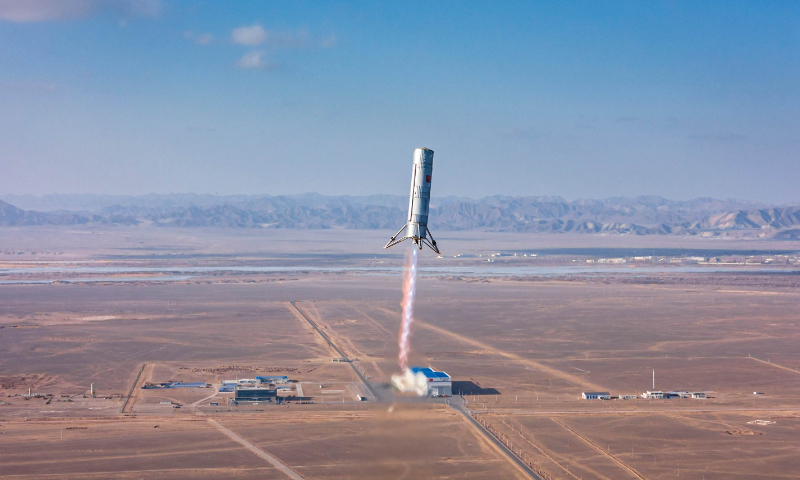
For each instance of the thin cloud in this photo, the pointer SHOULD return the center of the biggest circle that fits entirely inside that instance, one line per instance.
(251, 36)
(31, 11)
(272, 41)
(328, 42)
(204, 39)
(255, 60)
(255, 35)
(289, 39)
(199, 38)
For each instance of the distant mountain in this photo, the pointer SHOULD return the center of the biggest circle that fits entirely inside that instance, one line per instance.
(96, 203)
(13, 216)
(646, 215)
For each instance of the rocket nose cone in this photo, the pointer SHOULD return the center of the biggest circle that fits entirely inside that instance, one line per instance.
(423, 155)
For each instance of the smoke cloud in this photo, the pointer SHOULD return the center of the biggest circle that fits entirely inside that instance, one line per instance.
(411, 382)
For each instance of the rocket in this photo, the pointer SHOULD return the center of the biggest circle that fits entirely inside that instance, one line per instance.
(419, 203)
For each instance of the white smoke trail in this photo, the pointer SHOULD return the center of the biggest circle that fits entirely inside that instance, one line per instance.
(409, 290)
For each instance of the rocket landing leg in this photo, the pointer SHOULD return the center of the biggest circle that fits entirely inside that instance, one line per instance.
(417, 241)
(392, 242)
(432, 243)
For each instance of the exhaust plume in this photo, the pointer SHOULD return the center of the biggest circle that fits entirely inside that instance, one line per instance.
(411, 382)
(409, 291)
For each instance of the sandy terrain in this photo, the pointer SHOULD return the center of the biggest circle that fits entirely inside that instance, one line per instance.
(409, 442)
(520, 349)
(124, 448)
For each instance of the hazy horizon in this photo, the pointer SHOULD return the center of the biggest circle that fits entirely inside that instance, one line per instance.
(466, 197)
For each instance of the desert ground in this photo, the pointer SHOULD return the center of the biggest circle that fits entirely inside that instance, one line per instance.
(521, 336)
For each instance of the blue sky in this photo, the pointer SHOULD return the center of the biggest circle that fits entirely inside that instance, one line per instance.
(578, 99)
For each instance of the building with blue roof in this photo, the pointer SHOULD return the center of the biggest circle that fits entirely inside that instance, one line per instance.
(439, 383)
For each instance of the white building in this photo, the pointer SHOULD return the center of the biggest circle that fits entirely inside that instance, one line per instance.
(596, 396)
(242, 381)
(439, 383)
(624, 396)
(699, 395)
(612, 260)
(653, 394)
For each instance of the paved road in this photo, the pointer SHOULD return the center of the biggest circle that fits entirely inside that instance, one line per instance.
(134, 392)
(338, 351)
(456, 404)
(261, 453)
(202, 400)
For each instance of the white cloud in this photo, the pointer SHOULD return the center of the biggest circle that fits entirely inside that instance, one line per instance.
(291, 39)
(256, 35)
(252, 36)
(204, 39)
(273, 41)
(25, 11)
(42, 11)
(254, 60)
(199, 38)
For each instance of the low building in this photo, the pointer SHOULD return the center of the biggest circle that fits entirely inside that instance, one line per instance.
(276, 379)
(653, 394)
(612, 260)
(625, 396)
(596, 396)
(242, 381)
(699, 395)
(439, 383)
(254, 394)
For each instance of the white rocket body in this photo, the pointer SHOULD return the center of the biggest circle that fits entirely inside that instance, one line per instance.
(419, 202)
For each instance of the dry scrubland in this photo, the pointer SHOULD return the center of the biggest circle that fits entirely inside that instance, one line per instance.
(520, 350)
(411, 441)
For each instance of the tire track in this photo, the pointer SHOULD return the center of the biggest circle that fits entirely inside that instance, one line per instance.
(628, 469)
(575, 380)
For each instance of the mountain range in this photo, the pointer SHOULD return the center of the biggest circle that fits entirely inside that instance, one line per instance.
(644, 215)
